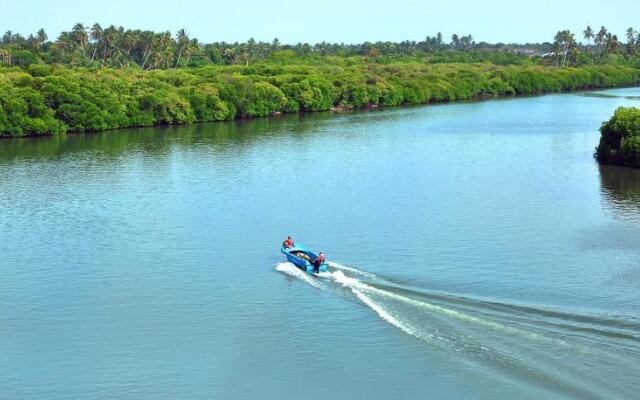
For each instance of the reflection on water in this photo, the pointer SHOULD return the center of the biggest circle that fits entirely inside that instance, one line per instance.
(621, 191)
(630, 93)
(609, 96)
(156, 141)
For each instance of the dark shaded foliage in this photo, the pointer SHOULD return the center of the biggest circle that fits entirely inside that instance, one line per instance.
(620, 139)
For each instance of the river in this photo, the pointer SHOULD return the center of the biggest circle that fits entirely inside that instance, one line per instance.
(477, 251)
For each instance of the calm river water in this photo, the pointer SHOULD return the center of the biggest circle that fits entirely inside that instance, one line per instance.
(478, 252)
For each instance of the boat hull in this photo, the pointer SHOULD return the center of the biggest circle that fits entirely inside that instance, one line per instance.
(295, 256)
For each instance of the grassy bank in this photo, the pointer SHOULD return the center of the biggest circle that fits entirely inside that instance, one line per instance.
(46, 99)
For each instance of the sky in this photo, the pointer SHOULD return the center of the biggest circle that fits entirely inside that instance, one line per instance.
(348, 21)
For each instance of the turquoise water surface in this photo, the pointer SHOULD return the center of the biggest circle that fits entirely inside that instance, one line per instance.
(477, 252)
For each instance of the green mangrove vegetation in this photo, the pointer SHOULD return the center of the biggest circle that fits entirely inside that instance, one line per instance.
(98, 79)
(620, 140)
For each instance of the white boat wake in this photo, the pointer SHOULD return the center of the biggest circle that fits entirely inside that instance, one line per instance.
(545, 347)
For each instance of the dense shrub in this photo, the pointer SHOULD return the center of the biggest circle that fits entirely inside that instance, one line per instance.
(206, 103)
(44, 99)
(23, 112)
(24, 58)
(620, 140)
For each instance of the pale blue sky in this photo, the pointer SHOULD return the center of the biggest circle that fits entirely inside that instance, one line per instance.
(329, 20)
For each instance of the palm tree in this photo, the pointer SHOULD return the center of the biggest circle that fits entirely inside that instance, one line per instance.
(455, 40)
(191, 48)
(166, 46)
(79, 35)
(564, 45)
(242, 53)
(7, 38)
(117, 56)
(589, 35)
(631, 41)
(613, 44)
(183, 42)
(466, 42)
(32, 42)
(157, 61)
(148, 39)
(131, 40)
(97, 35)
(600, 40)
(109, 40)
(65, 43)
(41, 38)
(162, 52)
(557, 48)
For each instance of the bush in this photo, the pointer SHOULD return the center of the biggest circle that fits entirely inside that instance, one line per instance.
(23, 112)
(207, 105)
(620, 138)
(24, 58)
(40, 69)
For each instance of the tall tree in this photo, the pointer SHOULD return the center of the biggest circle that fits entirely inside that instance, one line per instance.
(631, 42)
(79, 35)
(131, 39)
(182, 40)
(148, 39)
(191, 49)
(65, 43)
(7, 38)
(97, 35)
(163, 53)
(466, 42)
(455, 40)
(41, 38)
(589, 35)
(601, 40)
(564, 48)
(612, 44)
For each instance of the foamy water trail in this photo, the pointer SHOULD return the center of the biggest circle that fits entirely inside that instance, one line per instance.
(507, 354)
(498, 335)
(353, 270)
(383, 313)
(290, 269)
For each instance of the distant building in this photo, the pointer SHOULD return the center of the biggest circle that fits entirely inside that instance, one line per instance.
(525, 51)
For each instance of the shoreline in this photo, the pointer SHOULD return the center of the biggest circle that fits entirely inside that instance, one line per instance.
(333, 110)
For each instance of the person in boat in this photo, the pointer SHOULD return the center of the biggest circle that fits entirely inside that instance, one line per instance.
(318, 262)
(288, 243)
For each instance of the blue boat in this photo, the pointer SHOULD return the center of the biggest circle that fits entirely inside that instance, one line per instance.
(302, 258)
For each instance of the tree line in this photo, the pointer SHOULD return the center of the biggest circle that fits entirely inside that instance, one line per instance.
(601, 46)
(113, 46)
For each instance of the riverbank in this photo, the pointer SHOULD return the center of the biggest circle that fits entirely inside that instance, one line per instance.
(52, 100)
